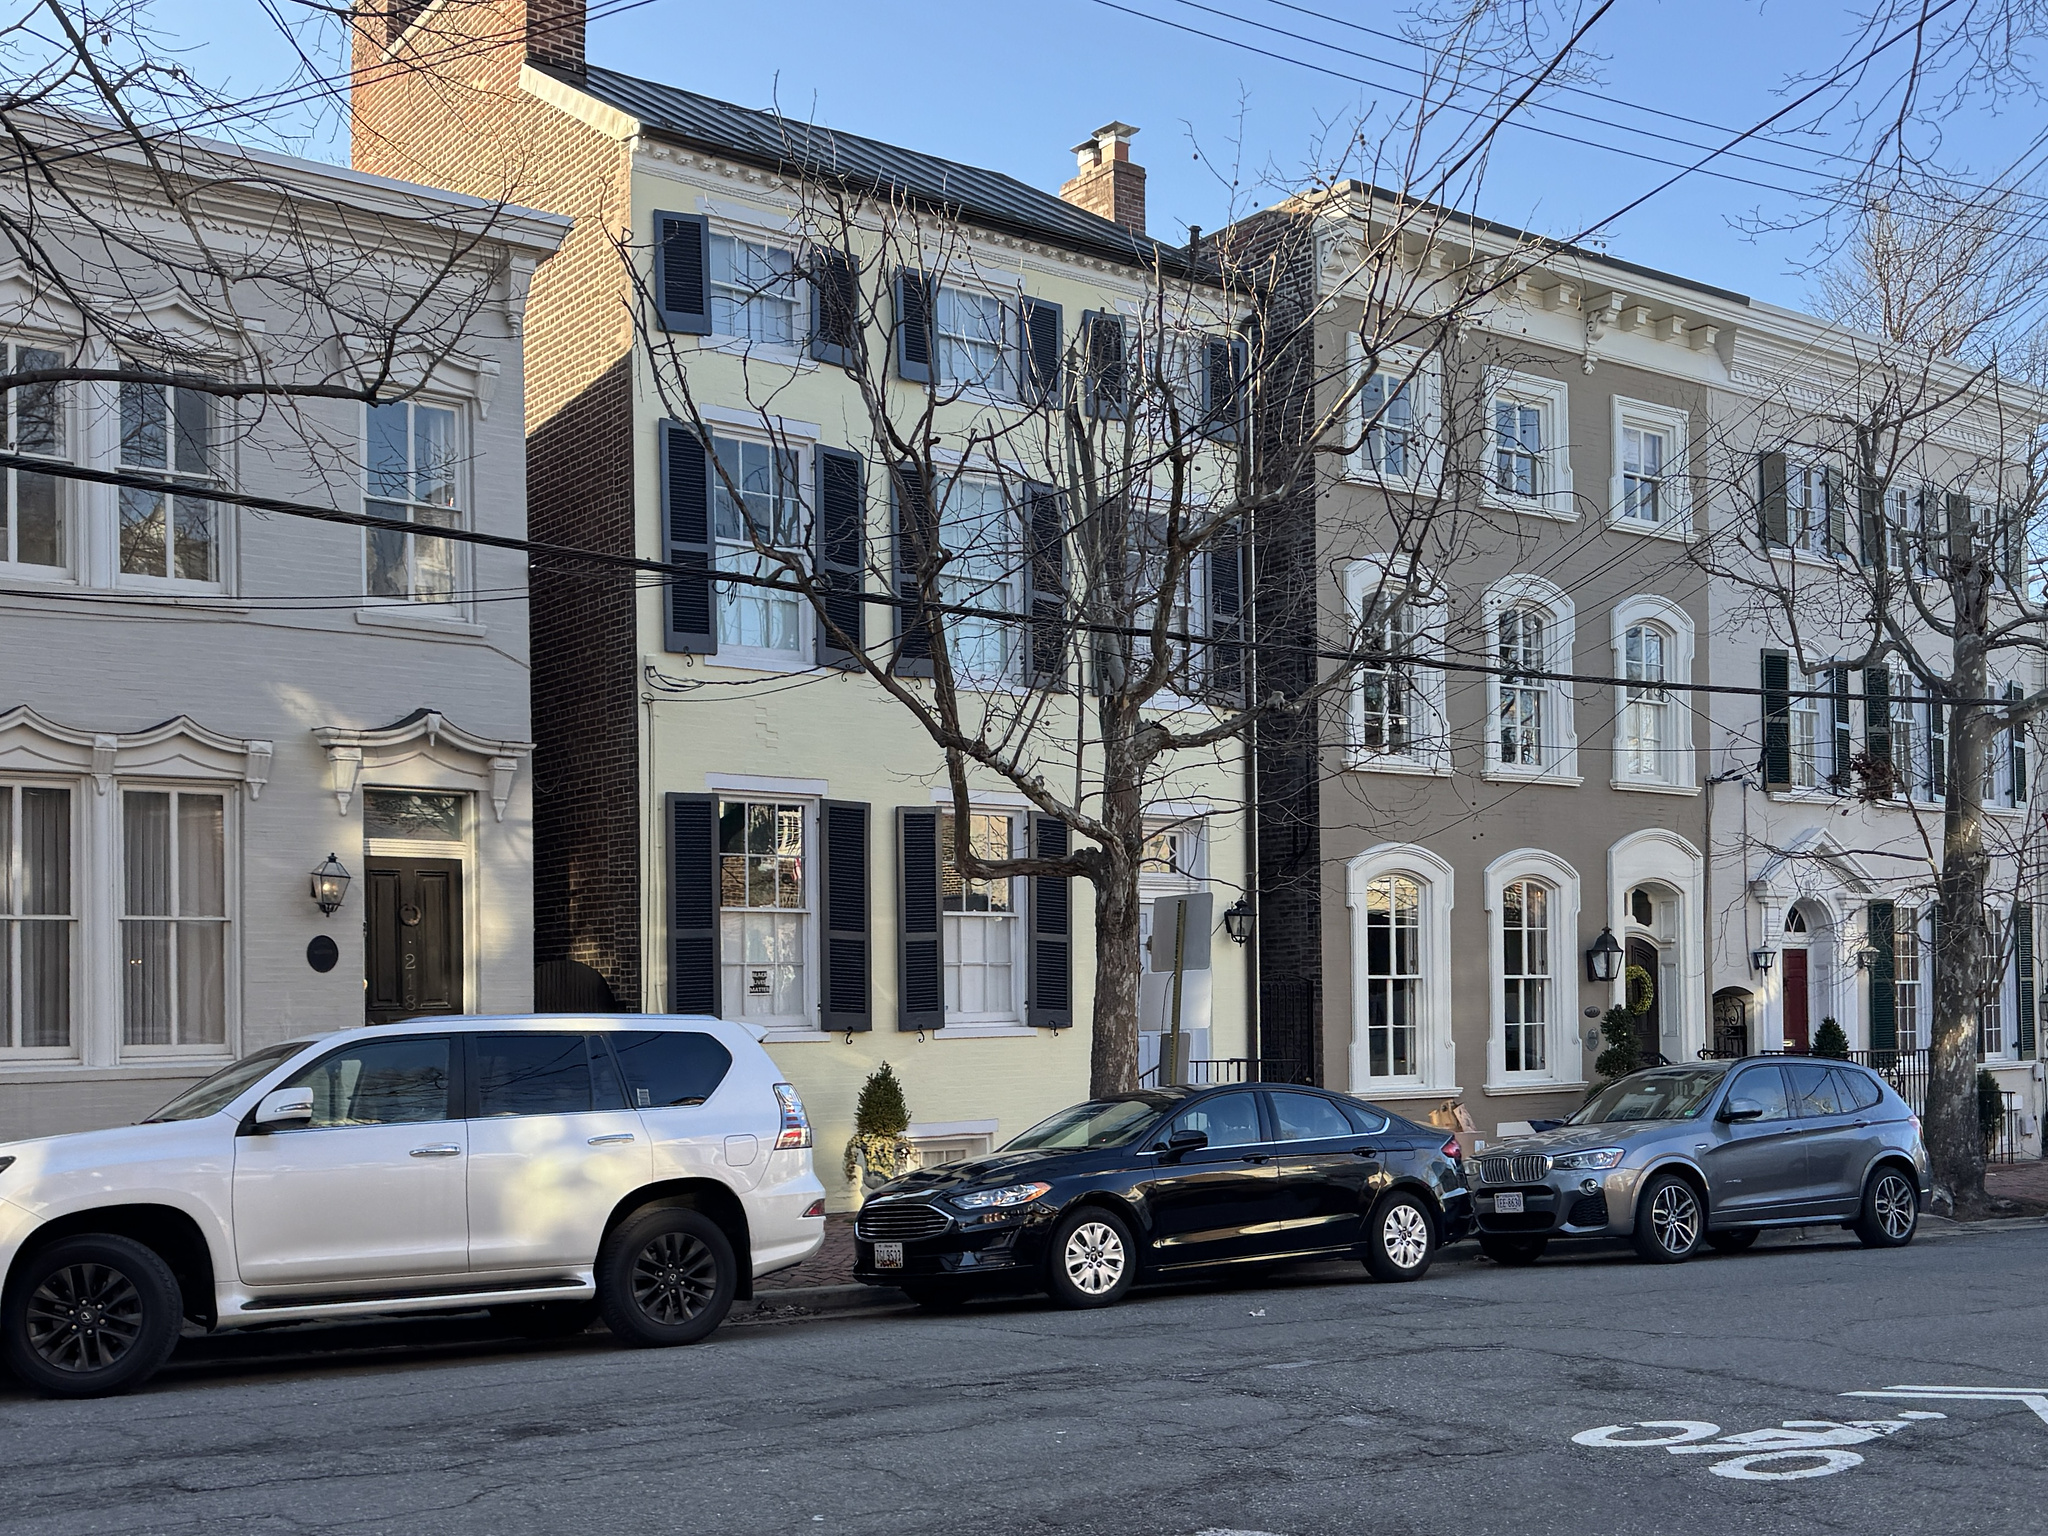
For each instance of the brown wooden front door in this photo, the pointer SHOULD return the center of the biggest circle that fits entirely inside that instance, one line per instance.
(1796, 1038)
(413, 949)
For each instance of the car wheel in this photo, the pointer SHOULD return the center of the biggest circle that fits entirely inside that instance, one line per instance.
(937, 1298)
(89, 1316)
(1093, 1260)
(546, 1319)
(1512, 1250)
(1735, 1240)
(1400, 1239)
(1891, 1211)
(1670, 1220)
(666, 1277)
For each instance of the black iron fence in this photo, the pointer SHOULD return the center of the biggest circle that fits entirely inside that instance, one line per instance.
(1234, 1069)
(1906, 1071)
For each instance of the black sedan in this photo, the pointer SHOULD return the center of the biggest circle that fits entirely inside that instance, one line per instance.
(1178, 1180)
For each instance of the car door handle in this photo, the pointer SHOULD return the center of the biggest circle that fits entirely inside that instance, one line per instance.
(611, 1139)
(1255, 1157)
(1859, 1125)
(439, 1149)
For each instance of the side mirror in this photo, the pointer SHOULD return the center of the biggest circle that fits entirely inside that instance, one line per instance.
(282, 1108)
(1181, 1143)
(1742, 1109)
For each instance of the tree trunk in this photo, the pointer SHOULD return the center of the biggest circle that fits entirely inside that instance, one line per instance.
(1113, 1053)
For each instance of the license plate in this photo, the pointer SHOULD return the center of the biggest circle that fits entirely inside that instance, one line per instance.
(1507, 1205)
(890, 1255)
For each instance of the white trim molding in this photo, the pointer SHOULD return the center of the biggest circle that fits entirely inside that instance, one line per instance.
(1667, 859)
(1429, 747)
(1563, 1063)
(1553, 496)
(1434, 1049)
(179, 748)
(1423, 381)
(1675, 487)
(1560, 745)
(423, 735)
(1680, 761)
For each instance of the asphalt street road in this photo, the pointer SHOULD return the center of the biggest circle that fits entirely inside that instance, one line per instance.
(1296, 1406)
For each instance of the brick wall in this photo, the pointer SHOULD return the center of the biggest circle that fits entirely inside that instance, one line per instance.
(440, 103)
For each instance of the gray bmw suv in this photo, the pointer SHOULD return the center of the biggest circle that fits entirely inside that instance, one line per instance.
(1712, 1152)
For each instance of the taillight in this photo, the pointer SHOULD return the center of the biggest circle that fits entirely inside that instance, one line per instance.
(815, 1208)
(796, 1126)
(1450, 1150)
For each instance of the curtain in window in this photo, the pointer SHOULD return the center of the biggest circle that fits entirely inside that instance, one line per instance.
(202, 944)
(45, 894)
(146, 933)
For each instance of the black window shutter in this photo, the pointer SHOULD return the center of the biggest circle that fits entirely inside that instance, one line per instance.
(910, 502)
(693, 904)
(1838, 513)
(1224, 622)
(1045, 575)
(1870, 518)
(2023, 965)
(1878, 922)
(2016, 748)
(1102, 343)
(682, 249)
(1223, 381)
(1958, 527)
(690, 620)
(1845, 744)
(1877, 713)
(1041, 344)
(843, 882)
(1777, 689)
(835, 309)
(1937, 747)
(914, 320)
(842, 552)
(1773, 520)
(1051, 1004)
(920, 957)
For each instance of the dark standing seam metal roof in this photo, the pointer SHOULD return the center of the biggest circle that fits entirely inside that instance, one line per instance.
(780, 143)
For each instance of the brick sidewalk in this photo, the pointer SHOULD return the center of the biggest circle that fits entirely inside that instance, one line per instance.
(830, 1265)
(2018, 1181)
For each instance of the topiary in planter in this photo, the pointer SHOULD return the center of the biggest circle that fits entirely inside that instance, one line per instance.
(1621, 1048)
(1829, 1040)
(880, 1118)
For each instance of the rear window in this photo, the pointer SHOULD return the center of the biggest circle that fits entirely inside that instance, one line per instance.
(1863, 1090)
(535, 1074)
(1308, 1117)
(666, 1068)
(1364, 1117)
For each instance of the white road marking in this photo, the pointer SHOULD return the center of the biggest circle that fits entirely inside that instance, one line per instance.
(1751, 1468)
(1684, 1431)
(1796, 1448)
(2035, 1398)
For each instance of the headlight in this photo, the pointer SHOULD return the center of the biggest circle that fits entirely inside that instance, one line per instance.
(1600, 1157)
(1008, 1195)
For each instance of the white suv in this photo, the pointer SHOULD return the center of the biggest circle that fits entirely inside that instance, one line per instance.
(547, 1168)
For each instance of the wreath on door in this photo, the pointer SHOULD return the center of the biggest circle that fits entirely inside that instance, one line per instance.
(1641, 988)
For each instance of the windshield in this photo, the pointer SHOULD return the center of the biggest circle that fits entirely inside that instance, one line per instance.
(219, 1090)
(1097, 1123)
(1678, 1094)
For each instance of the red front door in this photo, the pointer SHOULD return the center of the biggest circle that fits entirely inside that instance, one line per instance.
(1795, 1001)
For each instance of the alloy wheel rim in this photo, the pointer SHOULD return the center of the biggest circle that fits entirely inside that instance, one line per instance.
(1895, 1206)
(84, 1317)
(1675, 1218)
(1094, 1258)
(1404, 1235)
(674, 1278)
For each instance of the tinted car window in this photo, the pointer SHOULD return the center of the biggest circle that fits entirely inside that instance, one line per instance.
(1816, 1091)
(669, 1067)
(1765, 1086)
(532, 1075)
(1097, 1123)
(1307, 1117)
(1229, 1119)
(1863, 1090)
(1363, 1118)
(214, 1094)
(381, 1082)
(1669, 1093)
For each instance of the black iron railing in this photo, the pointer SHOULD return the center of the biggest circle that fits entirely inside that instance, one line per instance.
(1906, 1071)
(1233, 1069)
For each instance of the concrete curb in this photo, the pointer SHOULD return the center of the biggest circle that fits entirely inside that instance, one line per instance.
(809, 1300)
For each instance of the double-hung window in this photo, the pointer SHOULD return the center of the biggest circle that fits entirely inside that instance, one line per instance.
(1387, 694)
(764, 890)
(980, 917)
(1646, 723)
(1525, 972)
(1393, 976)
(1906, 988)
(1526, 465)
(973, 333)
(1807, 508)
(754, 293)
(755, 502)
(38, 925)
(34, 528)
(1991, 1007)
(1648, 491)
(978, 527)
(413, 461)
(1524, 697)
(1643, 453)
(174, 918)
(1387, 407)
(172, 533)
(1518, 449)
(1811, 754)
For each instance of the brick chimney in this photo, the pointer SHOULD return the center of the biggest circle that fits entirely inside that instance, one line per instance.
(554, 33)
(1109, 184)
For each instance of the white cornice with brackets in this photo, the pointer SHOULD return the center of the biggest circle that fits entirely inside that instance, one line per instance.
(427, 734)
(179, 748)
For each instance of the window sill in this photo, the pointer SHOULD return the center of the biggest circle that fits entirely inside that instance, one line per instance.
(29, 592)
(420, 623)
(796, 1035)
(759, 352)
(1805, 797)
(1677, 531)
(1513, 1090)
(47, 1070)
(1535, 506)
(746, 658)
(1405, 1091)
(1645, 787)
(130, 585)
(991, 1030)
(1501, 773)
(1408, 766)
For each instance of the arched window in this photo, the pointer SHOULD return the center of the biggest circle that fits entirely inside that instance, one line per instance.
(1653, 729)
(1529, 629)
(1646, 732)
(1525, 975)
(1393, 976)
(1532, 916)
(1524, 697)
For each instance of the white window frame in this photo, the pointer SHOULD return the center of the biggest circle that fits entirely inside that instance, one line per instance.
(1011, 582)
(1560, 763)
(230, 928)
(1005, 389)
(458, 607)
(960, 1024)
(799, 292)
(807, 1024)
(1913, 1029)
(1682, 775)
(79, 921)
(1550, 397)
(1424, 375)
(1564, 1062)
(749, 431)
(70, 502)
(1674, 487)
(1434, 1051)
(2001, 995)
(1429, 740)
(176, 483)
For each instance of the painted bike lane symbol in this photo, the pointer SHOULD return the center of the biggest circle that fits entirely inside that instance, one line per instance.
(1797, 1448)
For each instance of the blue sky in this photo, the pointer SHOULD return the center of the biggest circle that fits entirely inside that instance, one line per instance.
(1011, 86)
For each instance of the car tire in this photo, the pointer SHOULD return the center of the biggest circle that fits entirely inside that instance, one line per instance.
(1400, 1239)
(1512, 1251)
(89, 1316)
(1734, 1240)
(1092, 1260)
(1671, 1219)
(665, 1277)
(547, 1319)
(1890, 1213)
(937, 1298)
